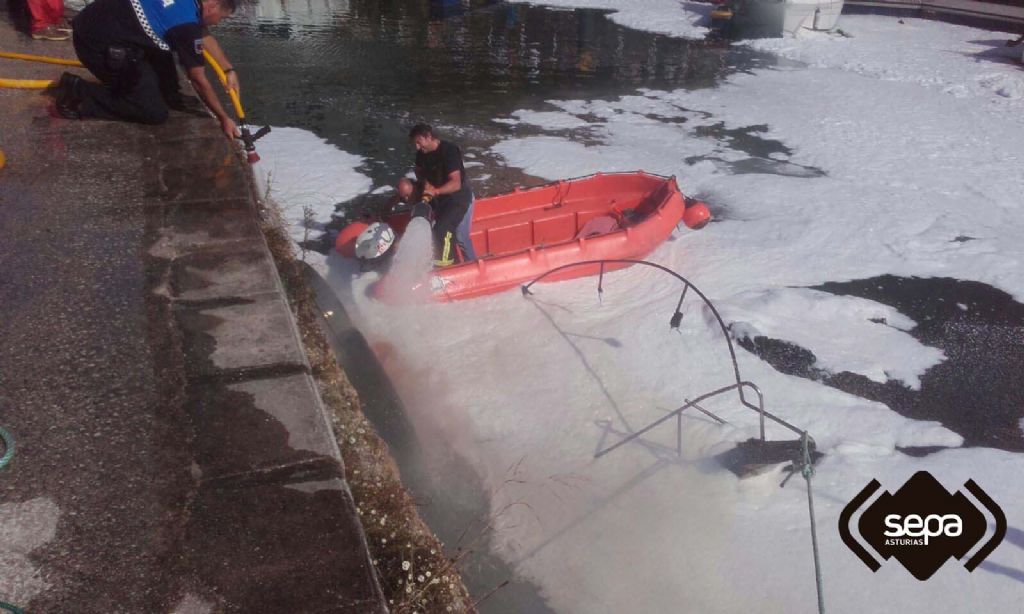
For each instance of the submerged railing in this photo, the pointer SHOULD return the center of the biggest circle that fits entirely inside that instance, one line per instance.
(804, 463)
(674, 323)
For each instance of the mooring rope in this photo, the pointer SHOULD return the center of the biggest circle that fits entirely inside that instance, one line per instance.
(8, 440)
(807, 470)
(6, 458)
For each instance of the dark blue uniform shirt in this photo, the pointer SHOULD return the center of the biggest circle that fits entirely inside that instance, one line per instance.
(171, 25)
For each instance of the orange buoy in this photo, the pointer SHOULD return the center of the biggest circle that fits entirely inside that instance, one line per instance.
(346, 241)
(697, 216)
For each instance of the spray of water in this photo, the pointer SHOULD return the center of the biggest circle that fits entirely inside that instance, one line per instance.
(406, 282)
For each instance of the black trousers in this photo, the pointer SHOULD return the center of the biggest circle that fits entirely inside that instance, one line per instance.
(448, 248)
(135, 83)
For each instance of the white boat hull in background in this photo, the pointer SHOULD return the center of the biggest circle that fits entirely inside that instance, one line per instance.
(811, 15)
(771, 18)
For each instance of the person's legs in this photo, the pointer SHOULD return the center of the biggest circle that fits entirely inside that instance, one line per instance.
(130, 88)
(462, 232)
(45, 14)
(167, 74)
(446, 238)
(170, 86)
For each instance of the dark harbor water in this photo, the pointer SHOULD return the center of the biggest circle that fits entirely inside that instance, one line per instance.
(975, 392)
(359, 73)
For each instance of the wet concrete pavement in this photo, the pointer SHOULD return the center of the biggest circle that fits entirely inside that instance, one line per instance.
(172, 450)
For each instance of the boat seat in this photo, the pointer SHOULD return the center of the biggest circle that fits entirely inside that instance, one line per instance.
(600, 225)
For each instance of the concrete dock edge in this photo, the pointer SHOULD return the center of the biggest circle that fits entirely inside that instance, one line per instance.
(174, 453)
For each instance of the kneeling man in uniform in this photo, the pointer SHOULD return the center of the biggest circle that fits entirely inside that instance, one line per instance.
(127, 44)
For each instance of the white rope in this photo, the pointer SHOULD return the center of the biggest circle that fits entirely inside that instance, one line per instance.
(807, 470)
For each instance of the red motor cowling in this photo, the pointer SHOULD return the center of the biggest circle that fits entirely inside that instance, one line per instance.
(346, 241)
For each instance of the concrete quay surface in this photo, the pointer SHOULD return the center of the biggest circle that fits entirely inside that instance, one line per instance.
(172, 451)
(968, 12)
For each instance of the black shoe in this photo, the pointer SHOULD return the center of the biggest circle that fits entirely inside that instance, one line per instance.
(69, 96)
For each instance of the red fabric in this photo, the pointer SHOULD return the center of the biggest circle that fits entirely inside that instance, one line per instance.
(45, 13)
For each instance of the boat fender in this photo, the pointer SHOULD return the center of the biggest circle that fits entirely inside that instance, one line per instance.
(697, 216)
(346, 241)
(375, 241)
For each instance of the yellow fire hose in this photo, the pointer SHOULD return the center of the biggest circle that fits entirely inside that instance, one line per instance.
(33, 84)
(224, 81)
(27, 84)
(39, 58)
(248, 138)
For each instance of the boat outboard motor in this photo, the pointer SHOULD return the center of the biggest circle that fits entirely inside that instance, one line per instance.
(378, 238)
(375, 241)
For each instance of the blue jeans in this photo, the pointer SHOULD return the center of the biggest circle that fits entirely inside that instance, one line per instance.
(462, 232)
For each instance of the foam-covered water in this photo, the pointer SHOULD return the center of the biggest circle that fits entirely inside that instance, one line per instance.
(529, 388)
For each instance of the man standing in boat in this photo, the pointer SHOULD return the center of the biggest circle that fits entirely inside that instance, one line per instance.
(442, 177)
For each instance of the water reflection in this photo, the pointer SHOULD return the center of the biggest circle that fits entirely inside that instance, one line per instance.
(440, 9)
(358, 72)
(484, 38)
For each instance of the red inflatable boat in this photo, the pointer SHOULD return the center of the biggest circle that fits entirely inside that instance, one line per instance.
(523, 234)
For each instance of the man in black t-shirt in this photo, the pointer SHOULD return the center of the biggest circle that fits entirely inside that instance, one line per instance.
(442, 175)
(127, 44)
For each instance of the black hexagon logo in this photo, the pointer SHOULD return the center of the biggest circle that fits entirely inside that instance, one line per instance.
(922, 525)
